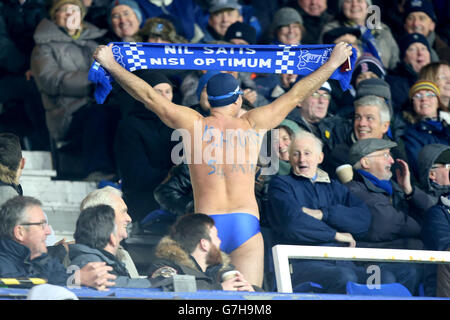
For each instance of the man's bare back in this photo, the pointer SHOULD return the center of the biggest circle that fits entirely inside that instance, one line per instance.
(224, 181)
(225, 190)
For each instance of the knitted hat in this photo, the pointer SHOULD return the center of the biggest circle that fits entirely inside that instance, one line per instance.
(424, 85)
(335, 33)
(409, 39)
(223, 89)
(217, 5)
(132, 4)
(59, 3)
(375, 87)
(285, 16)
(239, 30)
(204, 80)
(424, 6)
(367, 63)
(364, 147)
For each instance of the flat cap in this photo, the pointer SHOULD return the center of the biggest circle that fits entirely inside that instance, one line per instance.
(362, 148)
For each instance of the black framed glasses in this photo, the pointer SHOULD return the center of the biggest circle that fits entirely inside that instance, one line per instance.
(43, 224)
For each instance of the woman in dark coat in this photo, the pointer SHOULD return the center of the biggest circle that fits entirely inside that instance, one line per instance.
(143, 150)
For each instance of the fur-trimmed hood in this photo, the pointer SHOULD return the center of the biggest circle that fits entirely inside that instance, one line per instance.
(169, 249)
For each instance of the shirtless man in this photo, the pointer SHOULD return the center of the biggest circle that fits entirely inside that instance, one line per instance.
(225, 190)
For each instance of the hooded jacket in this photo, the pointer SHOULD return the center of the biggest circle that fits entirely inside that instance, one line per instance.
(80, 255)
(173, 259)
(60, 66)
(425, 161)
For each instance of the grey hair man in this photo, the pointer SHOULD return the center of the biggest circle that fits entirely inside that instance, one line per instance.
(23, 251)
(113, 197)
(97, 239)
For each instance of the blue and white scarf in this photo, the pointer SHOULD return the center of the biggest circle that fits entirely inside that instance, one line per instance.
(298, 59)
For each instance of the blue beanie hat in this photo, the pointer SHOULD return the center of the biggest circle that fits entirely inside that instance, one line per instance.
(203, 80)
(409, 39)
(223, 89)
(424, 6)
(131, 3)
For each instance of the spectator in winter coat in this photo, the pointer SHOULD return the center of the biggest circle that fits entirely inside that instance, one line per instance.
(306, 207)
(23, 251)
(143, 150)
(397, 208)
(420, 17)
(434, 165)
(428, 121)
(97, 239)
(376, 39)
(192, 248)
(315, 16)
(415, 53)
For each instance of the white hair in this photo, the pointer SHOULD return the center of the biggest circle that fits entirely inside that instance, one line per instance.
(100, 196)
(305, 134)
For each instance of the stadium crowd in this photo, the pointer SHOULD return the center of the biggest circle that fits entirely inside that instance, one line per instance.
(392, 127)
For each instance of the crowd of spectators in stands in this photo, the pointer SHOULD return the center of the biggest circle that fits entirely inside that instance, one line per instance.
(392, 126)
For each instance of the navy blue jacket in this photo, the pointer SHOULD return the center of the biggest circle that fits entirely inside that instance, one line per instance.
(419, 135)
(342, 212)
(436, 227)
(15, 263)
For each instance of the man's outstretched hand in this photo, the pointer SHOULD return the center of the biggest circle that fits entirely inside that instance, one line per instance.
(104, 55)
(341, 52)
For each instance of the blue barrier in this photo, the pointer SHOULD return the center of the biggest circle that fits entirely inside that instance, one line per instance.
(125, 293)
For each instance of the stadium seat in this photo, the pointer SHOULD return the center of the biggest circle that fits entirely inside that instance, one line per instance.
(387, 289)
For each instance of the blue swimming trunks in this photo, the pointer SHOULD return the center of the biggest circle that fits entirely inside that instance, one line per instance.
(235, 228)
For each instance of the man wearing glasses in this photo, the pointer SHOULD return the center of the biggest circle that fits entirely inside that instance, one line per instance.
(311, 112)
(433, 167)
(23, 251)
(396, 207)
(436, 226)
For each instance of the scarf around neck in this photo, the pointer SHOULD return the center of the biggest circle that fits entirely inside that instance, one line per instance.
(386, 185)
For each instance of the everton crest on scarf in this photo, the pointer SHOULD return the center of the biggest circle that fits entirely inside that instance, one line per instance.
(298, 59)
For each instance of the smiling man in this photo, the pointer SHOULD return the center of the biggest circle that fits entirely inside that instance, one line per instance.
(308, 208)
(420, 17)
(222, 15)
(23, 252)
(113, 198)
(125, 18)
(396, 208)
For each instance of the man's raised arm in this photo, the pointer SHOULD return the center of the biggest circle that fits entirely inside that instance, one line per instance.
(173, 115)
(271, 115)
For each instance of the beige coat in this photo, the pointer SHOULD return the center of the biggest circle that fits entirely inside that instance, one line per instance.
(60, 67)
